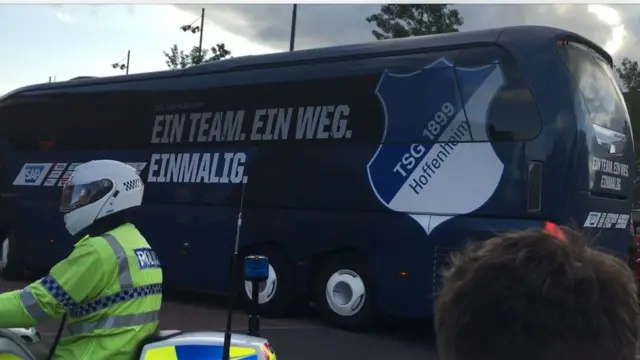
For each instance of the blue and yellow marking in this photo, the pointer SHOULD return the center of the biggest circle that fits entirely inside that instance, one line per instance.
(199, 352)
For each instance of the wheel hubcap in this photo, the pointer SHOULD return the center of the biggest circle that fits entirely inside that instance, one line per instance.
(266, 289)
(345, 292)
(4, 252)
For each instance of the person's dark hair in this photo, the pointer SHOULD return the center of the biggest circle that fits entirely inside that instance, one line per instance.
(530, 296)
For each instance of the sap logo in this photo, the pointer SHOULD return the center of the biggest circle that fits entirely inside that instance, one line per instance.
(32, 174)
(147, 258)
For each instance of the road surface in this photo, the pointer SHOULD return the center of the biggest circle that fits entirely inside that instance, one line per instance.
(292, 338)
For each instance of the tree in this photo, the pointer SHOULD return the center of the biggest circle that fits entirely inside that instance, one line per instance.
(178, 59)
(399, 21)
(629, 73)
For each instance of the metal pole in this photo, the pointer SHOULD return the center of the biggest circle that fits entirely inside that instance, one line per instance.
(128, 56)
(254, 316)
(201, 32)
(226, 346)
(292, 39)
(49, 78)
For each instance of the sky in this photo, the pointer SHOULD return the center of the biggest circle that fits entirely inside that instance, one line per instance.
(65, 41)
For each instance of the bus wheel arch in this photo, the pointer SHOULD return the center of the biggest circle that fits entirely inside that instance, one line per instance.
(275, 295)
(343, 291)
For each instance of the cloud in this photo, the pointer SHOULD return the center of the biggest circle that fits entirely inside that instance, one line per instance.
(611, 26)
(317, 25)
(64, 17)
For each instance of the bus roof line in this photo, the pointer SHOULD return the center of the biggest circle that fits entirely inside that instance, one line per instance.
(326, 53)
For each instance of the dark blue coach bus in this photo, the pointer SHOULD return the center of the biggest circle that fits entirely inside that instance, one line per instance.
(363, 166)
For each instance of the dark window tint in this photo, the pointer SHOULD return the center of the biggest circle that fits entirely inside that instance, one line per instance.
(497, 100)
(333, 109)
(78, 121)
(482, 55)
(597, 85)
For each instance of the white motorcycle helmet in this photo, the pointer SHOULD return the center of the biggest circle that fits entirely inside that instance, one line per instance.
(97, 189)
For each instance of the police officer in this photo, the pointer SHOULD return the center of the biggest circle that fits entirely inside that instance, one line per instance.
(110, 285)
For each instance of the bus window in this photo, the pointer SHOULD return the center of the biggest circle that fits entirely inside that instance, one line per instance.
(478, 56)
(511, 114)
(599, 90)
(72, 122)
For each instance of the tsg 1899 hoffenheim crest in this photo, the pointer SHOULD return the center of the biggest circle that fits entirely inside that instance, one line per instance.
(435, 161)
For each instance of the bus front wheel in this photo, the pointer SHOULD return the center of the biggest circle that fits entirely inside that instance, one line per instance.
(343, 293)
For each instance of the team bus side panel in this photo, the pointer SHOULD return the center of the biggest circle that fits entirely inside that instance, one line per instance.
(396, 153)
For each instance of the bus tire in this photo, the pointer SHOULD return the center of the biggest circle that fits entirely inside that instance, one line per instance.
(11, 266)
(277, 293)
(343, 293)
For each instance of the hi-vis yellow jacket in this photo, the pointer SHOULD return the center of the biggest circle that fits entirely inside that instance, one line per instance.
(111, 287)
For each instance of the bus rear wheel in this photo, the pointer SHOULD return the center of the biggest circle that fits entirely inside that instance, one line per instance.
(343, 293)
(275, 295)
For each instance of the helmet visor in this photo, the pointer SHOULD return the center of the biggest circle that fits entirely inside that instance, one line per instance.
(78, 195)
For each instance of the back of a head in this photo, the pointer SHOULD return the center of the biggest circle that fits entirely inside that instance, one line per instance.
(530, 296)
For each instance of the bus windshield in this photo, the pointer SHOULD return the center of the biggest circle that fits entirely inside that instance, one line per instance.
(601, 95)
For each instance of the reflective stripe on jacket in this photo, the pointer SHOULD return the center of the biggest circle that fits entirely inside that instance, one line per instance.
(111, 287)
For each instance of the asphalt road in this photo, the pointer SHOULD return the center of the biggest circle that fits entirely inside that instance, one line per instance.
(304, 338)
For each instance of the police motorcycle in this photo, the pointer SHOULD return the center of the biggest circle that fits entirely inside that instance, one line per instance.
(21, 343)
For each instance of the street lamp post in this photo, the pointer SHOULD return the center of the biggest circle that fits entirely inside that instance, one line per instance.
(294, 15)
(128, 57)
(196, 29)
(122, 66)
(201, 32)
